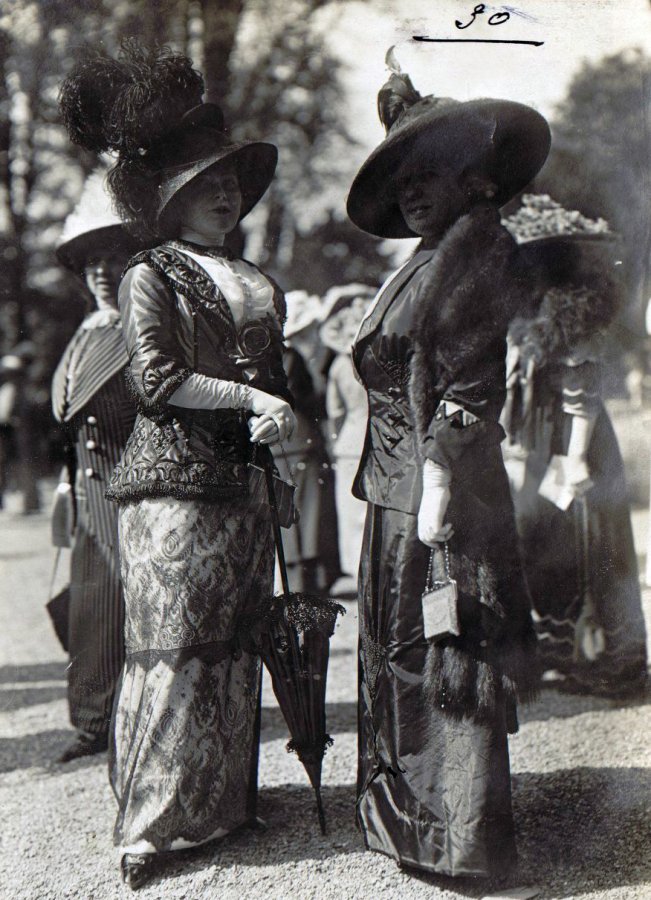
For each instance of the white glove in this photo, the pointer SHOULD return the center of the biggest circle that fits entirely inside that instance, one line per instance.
(577, 474)
(203, 392)
(274, 420)
(434, 504)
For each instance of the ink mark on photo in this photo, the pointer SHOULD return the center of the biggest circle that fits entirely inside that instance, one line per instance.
(500, 17)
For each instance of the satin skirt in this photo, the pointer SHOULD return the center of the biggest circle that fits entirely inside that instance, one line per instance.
(433, 790)
(183, 763)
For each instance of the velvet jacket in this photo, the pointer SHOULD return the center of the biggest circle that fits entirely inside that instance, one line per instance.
(176, 321)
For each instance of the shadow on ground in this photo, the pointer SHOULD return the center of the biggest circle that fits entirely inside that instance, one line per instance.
(579, 830)
(42, 750)
(11, 700)
(583, 829)
(340, 718)
(554, 703)
(51, 671)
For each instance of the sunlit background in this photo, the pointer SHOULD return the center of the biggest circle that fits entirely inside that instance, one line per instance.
(304, 74)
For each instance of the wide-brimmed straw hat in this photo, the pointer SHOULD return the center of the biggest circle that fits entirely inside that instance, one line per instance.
(303, 310)
(340, 296)
(199, 142)
(93, 226)
(564, 246)
(505, 140)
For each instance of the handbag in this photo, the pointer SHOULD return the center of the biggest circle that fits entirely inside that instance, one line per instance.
(440, 603)
(58, 607)
(283, 492)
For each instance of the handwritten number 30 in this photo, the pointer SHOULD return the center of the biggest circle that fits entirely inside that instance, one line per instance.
(496, 19)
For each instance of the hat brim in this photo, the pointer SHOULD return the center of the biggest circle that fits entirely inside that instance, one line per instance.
(255, 162)
(507, 140)
(573, 258)
(73, 254)
(337, 298)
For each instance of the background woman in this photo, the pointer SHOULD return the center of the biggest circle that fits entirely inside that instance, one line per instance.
(310, 546)
(91, 401)
(204, 337)
(433, 779)
(577, 542)
(346, 405)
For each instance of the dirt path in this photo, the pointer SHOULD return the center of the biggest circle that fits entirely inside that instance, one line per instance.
(582, 785)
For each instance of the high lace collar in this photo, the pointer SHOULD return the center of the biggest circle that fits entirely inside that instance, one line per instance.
(216, 252)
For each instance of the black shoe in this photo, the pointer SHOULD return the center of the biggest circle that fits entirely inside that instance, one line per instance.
(84, 745)
(137, 869)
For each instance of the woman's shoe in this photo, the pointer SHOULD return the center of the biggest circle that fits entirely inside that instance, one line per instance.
(137, 869)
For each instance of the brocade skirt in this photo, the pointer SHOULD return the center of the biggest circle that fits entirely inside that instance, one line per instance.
(184, 759)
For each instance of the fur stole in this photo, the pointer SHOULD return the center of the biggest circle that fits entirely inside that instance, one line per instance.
(469, 294)
(471, 291)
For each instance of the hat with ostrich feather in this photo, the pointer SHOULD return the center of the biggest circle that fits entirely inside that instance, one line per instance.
(506, 141)
(145, 107)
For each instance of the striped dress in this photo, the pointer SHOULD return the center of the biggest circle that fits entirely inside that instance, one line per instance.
(90, 399)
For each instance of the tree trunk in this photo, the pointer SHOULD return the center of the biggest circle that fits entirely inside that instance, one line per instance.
(220, 21)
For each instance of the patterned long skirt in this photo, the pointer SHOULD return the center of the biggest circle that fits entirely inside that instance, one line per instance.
(184, 760)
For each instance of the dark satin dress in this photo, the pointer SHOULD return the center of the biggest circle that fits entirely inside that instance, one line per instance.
(539, 426)
(433, 783)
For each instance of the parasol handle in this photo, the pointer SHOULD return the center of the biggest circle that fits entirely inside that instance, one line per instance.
(278, 539)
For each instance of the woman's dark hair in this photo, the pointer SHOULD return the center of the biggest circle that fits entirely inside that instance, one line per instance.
(127, 106)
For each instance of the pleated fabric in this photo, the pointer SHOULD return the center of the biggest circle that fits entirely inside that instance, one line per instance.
(96, 627)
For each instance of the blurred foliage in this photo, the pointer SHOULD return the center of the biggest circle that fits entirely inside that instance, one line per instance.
(601, 160)
(265, 62)
(335, 252)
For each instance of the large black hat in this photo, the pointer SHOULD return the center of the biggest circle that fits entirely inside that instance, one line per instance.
(145, 107)
(199, 142)
(506, 141)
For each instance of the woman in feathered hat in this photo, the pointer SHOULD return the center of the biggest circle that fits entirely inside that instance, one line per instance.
(433, 778)
(204, 338)
(91, 401)
(566, 470)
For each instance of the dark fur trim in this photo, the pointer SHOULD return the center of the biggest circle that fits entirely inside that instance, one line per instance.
(462, 681)
(470, 294)
(209, 492)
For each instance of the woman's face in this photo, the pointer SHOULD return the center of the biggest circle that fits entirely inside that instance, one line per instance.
(209, 206)
(102, 275)
(430, 201)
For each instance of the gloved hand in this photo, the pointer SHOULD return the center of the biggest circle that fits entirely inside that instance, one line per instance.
(434, 504)
(577, 474)
(274, 419)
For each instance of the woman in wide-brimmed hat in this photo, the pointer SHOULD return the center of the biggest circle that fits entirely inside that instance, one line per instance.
(204, 337)
(344, 307)
(566, 471)
(91, 402)
(433, 778)
(310, 546)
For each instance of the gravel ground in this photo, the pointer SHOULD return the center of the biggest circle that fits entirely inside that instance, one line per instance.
(581, 775)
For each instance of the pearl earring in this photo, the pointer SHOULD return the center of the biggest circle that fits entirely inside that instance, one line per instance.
(490, 194)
